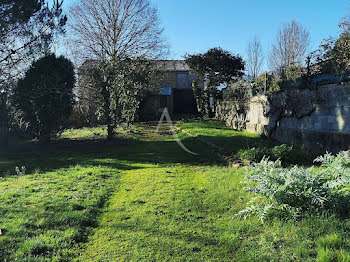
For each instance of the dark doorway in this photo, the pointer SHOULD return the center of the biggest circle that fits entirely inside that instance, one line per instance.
(184, 102)
(163, 101)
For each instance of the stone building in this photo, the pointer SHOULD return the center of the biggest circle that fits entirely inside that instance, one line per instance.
(176, 95)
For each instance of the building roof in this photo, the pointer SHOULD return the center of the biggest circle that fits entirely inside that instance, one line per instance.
(172, 65)
(163, 65)
(87, 65)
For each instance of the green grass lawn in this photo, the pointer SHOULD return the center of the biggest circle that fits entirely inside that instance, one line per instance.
(94, 133)
(141, 198)
(225, 137)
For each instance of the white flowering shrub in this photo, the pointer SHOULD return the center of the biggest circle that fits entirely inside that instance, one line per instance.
(298, 191)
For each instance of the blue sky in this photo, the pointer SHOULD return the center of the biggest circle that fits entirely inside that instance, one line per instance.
(193, 26)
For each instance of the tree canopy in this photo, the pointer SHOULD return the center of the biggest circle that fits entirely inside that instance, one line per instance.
(217, 66)
(118, 86)
(100, 29)
(333, 55)
(45, 95)
(27, 27)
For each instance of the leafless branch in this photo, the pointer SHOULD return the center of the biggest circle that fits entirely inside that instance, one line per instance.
(102, 28)
(255, 57)
(290, 48)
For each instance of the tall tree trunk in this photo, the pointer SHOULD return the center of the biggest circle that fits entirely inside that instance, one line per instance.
(206, 102)
(110, 131)
(198, 96)
(108, 111)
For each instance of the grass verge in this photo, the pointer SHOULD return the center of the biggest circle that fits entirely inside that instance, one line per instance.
(142, 198)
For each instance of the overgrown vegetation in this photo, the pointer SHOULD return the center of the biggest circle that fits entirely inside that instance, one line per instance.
(333, 56)
(298, 192)
(292, 69)
(266, 82)
(287, 154)
(240, 92)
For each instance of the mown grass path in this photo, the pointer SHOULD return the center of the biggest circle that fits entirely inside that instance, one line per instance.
(162, 214)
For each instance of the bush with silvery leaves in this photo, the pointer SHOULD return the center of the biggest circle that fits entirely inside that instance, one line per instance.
(297, 191)
(20, 171)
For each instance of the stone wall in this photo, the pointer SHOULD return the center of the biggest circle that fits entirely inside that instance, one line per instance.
(318, 119)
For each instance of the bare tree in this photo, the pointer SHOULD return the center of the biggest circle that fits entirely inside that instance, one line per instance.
(290, 48)
(255, 58)
(104, 28)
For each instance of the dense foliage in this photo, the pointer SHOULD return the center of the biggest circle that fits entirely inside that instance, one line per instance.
(45, 96)
(239, 92)
(215, 67)
(17, 11)
(27, 27)
(267, 82)
(287, 154)
(298, 191)
(119, 85)
(292, 73)
(333, 56)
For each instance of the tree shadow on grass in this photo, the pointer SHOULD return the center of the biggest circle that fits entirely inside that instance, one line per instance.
(121, 154)
(232, 144)
(296, 155)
